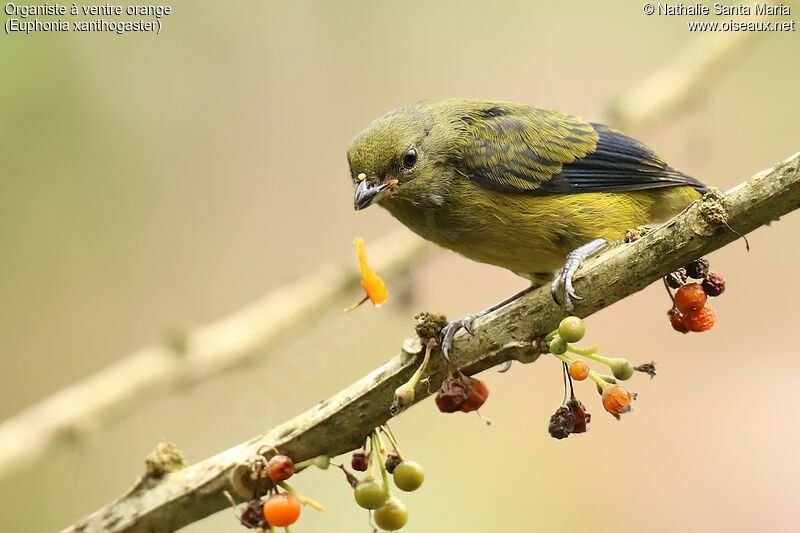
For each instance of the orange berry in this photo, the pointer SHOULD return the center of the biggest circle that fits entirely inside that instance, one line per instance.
(690, 298)
(702, 320)
(678, 320)
(280, 468)
(617, 400)
(282, 510)
(579, 370)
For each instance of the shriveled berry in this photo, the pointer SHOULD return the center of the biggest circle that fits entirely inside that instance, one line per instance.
(677, 278)
(282, 510)
(581, 417)
(360, 461)
(476, 394)
(392, 516)
(702, 320)
(280, 468)
(571, 329)
(579, 370)
(714, 284)
(452, 395)
(617, 400)
(253, 514)
(697, 269)
(408, 476)
(690, 298)
(678, 320)
(392, 460)
(562, 423)
(370, 493)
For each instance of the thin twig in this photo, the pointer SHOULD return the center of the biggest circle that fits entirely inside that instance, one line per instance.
(341, 423)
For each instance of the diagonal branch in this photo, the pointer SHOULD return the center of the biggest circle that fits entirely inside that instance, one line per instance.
(74, 413)
(342, 422)
(237, 340)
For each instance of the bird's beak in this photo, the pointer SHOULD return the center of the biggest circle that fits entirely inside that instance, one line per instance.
(366, 193)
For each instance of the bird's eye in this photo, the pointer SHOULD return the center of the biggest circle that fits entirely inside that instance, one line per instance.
(410, 158)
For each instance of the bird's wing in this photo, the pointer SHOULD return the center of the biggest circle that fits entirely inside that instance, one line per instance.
(525, 149)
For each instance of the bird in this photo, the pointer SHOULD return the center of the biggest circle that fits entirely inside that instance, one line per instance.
(532, 190)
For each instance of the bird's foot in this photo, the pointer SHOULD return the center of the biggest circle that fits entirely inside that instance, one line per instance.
(562, 289)
(450, 330)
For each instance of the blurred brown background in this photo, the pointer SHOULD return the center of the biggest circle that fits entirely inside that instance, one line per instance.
(151, 182)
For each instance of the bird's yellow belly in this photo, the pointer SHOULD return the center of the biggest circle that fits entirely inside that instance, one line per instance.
(531, 234)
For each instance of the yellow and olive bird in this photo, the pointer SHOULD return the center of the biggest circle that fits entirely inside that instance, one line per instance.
(532, 190)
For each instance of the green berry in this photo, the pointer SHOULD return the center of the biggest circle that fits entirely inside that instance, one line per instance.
(408, 476)
(621, 368)
(558, 346)
(571, 329)
(371, 493)
(391, 516)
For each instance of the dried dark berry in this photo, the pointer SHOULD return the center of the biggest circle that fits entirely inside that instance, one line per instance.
(360, 461)
(392, 460)
(253, 514)
(714, 284)
(452, 394)
(580, 416)
(562, 423)
(697, 269)
(677, 278)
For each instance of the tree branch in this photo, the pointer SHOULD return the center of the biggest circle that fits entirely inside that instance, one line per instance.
(342, 422)
(70, 415)
(232, 342)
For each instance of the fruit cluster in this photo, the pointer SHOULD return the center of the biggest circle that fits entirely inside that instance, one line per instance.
(690, 310)
(373, 492)
(572, 416)
(279, 509)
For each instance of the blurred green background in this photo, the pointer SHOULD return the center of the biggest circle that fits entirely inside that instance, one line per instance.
(151, 182)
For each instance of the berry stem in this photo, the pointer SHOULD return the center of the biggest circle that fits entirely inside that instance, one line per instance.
(302, 465)
(550, 335)
(599, 380)
(378, 459)
(390, 435)
(586, 352)
(564, 358)
(302, 499)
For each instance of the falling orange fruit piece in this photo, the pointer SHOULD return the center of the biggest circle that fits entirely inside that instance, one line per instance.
(372, 283)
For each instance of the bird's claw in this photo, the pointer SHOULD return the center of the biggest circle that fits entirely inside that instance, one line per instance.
(562, 289)
(449, 332)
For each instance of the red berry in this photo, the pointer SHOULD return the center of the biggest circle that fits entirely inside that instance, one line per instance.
(702, 320)
(690, 298)
(477, 392)
(280, 468)
(678, 320)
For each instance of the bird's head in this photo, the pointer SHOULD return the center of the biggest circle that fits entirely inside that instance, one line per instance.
(391, 152)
